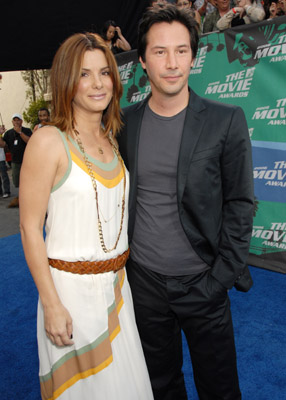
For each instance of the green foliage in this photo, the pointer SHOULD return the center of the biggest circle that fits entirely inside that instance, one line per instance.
(30, 115)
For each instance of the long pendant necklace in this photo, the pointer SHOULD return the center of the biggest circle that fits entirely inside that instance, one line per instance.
(91, 174)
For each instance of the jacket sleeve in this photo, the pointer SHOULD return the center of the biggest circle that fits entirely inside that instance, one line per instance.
(255, 13)
(225, 21)
(237, 203)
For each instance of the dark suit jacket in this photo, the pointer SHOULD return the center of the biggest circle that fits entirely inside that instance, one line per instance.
(214, 184)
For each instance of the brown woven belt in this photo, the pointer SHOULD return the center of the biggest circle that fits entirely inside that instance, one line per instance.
(91, 267)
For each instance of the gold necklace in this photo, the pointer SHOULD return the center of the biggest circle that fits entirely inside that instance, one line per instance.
(91, 174)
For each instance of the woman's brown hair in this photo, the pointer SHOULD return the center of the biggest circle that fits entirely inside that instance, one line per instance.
(65, 76)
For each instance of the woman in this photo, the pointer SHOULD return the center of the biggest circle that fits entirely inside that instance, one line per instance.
(88, 343)
(112, 35)
(189, 4)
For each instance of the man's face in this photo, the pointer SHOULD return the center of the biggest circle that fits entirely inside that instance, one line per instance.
(168, 58)
(223, 5)
(183, 4)
(282, 6)
(17, 123)
(43, 116)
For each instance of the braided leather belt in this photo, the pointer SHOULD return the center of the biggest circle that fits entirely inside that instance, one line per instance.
(91, 267)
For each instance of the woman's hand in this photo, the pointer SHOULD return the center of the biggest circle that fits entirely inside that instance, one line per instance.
(58, 325)
(240, 11)
(118, 30)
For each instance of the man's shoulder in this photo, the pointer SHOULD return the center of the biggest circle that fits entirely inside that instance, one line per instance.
(27, 131)
(203, 103)
(126, 111)
(8, 134)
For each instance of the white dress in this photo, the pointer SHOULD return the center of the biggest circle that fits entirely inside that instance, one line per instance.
(106, 360)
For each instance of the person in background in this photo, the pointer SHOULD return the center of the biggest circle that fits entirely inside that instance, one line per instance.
(189, 5)
(112, 35)
(190, 214)
(16, 139)
(245, 12)
(4, 180)
(281, 5)
(205, 7)
(43, 117)
(222, 8)
(157, 2)
(271, 9)
(88, 343)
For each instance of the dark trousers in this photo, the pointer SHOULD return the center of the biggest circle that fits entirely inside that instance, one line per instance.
(5, 178)
(198, 305)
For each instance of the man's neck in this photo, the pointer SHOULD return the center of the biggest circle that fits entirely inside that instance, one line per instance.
(167, 106)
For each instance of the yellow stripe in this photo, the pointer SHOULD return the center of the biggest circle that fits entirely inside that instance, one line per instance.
(119, 306)
(122, 279)
(109, 183)
(81, 375)
(114, 333)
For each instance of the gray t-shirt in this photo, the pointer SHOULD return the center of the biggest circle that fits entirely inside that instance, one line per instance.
(159, 241)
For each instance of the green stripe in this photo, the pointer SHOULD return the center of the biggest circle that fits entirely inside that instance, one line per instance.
(74, 353)
(65, 177)
(104, 166)
(84, 349)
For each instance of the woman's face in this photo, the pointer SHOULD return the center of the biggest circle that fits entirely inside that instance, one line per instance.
(95, 88)
(110, 32)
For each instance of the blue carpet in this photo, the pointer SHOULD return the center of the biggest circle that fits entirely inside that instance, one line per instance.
(259, 321)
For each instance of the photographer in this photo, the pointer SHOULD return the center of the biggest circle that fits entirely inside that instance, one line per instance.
(16, 140)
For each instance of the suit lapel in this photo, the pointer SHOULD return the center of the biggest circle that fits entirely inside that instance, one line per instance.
(133, 135)
(194, 122)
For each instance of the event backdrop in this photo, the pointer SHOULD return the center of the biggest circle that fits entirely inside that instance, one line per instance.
(245, 66)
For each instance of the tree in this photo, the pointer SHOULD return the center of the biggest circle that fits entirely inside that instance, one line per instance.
(37, 82)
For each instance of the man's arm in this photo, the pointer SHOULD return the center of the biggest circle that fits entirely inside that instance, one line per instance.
(24, 136)
(2, 130)
(238, 202)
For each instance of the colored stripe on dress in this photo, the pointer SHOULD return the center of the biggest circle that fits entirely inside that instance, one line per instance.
(88, 360)
(109, 179)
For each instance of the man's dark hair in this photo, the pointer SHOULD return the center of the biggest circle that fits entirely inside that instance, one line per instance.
(169, 13)
(44, 109)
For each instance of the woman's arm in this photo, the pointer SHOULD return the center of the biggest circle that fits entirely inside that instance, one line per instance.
(43, 164)
(255, 12)
(122, 42)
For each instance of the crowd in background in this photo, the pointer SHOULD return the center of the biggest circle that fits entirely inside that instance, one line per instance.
(218, 15)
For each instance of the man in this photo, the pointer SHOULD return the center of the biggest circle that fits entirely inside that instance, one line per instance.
(16, 140)
(223, 7)
(4, 177)
(281, 7)
(190, 214)
(43, 117)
